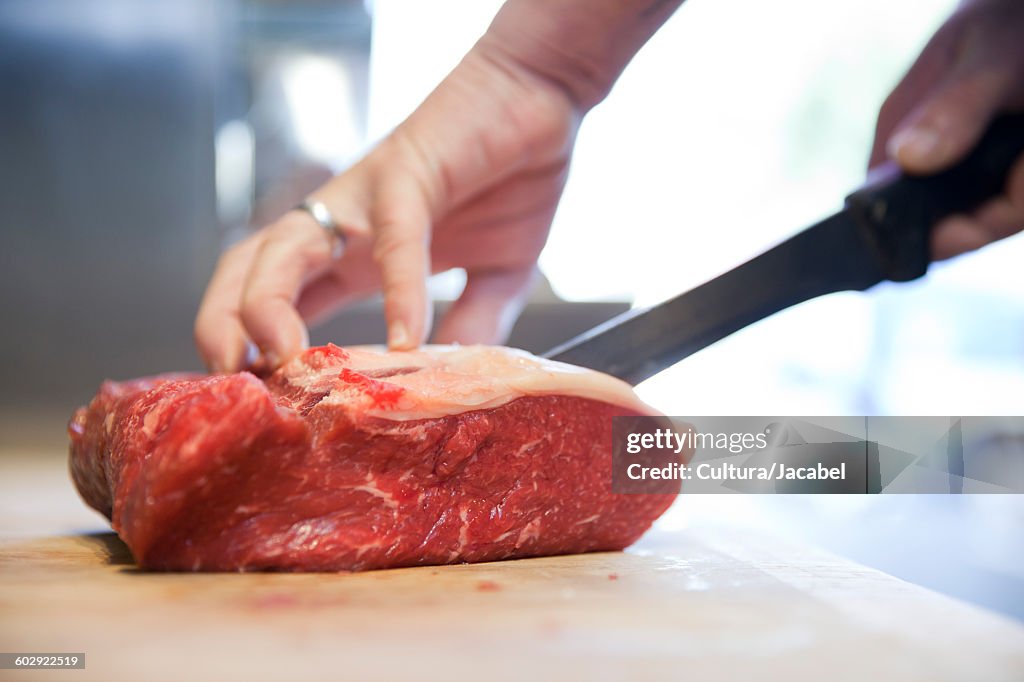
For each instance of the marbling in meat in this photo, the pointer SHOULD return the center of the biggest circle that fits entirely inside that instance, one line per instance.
(352, 459)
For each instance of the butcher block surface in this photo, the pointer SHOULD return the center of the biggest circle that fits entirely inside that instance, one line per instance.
(691, 603)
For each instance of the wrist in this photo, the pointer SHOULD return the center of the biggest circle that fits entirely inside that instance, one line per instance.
(578, 46)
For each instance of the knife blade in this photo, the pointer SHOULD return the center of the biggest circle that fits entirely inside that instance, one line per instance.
(882, 233)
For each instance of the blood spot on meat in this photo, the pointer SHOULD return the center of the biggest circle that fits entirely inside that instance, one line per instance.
(356, 459)
(382, 393)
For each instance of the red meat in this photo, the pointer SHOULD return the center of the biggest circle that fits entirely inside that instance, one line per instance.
(358, 459)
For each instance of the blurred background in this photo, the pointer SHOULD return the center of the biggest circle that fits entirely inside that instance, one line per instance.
(138, 137)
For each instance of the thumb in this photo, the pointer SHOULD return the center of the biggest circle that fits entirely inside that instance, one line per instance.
(951, 120)
(487, 308)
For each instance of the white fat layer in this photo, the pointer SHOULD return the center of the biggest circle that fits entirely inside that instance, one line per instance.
(454, 379)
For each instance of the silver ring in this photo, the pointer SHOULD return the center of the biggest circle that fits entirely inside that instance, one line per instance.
(322, 216)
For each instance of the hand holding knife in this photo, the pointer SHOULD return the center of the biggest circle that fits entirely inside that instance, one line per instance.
(883, 233)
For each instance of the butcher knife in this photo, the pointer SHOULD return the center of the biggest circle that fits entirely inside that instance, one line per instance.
(882, 234)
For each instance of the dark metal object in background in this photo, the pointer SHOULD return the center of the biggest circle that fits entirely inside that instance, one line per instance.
(882, 234)
(109, 111)
(107, 225)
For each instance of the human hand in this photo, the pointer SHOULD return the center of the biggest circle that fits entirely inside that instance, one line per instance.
(971, 70)
(470, 180)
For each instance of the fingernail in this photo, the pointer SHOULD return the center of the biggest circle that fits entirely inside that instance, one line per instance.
(398, 336)
(252, 354)
(916, 144)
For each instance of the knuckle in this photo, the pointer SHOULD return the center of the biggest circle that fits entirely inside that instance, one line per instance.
(252, 305)
(201, 323)
(387, 247)
(205, 338)
(249, 310)
(395, 240)
(889, 110)
(300, 239)
(199, 334)
(243, 250)
(254, 301)
(282, 232)
(205, 321)
(392, 247)
(233, 258)
(972, 85)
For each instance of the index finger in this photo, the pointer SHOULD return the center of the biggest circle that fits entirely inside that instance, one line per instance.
(295, 250)
(220, 336)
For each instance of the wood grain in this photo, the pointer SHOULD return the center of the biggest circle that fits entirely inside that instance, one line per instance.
(691, 604)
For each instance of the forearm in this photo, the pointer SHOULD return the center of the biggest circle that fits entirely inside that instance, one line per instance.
(580, 45)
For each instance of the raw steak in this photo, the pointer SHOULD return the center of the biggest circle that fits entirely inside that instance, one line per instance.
(353, 459)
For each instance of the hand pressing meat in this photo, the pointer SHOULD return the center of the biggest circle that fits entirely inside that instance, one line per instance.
(470, 180)
(346, 460)
(473, 177)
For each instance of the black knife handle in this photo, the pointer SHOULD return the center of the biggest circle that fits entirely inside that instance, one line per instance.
(897, 211)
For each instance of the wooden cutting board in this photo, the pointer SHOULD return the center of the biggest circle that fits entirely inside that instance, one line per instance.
(711, 603)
